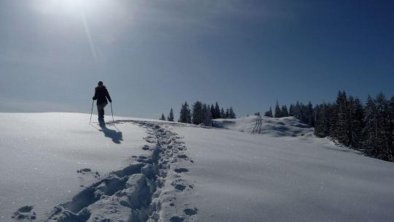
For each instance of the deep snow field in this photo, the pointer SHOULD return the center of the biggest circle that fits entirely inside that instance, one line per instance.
(58, 167)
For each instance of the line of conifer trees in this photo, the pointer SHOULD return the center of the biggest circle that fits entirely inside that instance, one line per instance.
(366, 127)
(201, 113)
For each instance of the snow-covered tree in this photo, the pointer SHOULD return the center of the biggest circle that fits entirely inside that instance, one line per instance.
(162, 117)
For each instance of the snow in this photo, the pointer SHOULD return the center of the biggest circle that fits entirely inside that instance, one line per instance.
(41, 154)
(286, 126)
(58, 167)
(245, 177)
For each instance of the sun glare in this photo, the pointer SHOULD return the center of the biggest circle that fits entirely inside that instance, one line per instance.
(71, 7)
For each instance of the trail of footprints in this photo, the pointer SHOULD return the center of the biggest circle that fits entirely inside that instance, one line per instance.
(171, 169)
(140, 192)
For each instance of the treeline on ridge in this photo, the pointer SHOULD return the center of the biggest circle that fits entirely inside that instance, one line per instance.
(200, 113)
(367, 127)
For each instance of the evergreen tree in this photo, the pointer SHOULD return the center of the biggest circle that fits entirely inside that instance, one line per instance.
(284, 111)
(298, 110)
(207, 115)
(309, 115)
(268, 113)
(185, 115)
(391, 111)
(231, 114)
(384, 136)
(333, 121)
(278, 111)
(162, 117)
(212, 110)
(292, 110)
(342, 125)
(198, 114)
(171, 116)
(322, 121)
(370, 131)
(216, 113)
(227, 114)
(356, 115)
(222, 114)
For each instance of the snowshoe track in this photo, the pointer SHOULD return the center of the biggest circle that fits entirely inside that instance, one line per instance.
(146, 190)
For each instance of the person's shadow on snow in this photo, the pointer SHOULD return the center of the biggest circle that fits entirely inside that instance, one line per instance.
(116, 136)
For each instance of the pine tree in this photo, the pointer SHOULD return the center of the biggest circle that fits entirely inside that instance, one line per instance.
(212, 110)
(207, 115)
(185, 116)
(342, 125)
(333, 113)
(391, 111)
(321, 122)
(216, 113)
(298, 111)
(171, 116)
(292, 110)
(356, 115)
(307, 114)
(278, 111)
(227, 114)
(370, 131)
(198, 115)
(268, 113)
(384, 138)
(284, 111)
(222, 114)
(162, 117)
(231, 114)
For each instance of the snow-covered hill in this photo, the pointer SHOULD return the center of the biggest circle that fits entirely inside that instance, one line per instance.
(58, 167)
(278, 127)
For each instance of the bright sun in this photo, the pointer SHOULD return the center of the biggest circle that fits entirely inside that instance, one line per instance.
(71, 7)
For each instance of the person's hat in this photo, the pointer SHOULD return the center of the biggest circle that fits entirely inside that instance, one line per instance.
(100, 83)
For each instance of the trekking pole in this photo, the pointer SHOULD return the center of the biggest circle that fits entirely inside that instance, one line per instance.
(112, 112)
(91, 113)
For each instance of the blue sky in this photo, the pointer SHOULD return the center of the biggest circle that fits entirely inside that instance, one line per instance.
(154, 55)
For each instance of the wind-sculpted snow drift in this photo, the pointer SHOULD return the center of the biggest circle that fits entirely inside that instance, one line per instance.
(138, 192)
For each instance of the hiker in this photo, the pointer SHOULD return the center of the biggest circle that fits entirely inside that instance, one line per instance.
(101, 94)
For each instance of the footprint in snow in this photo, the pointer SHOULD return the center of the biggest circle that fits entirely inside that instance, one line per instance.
(177, 219)
(146, 147)
(87, 171)
(25, 213)
(181, 170)
(182, 156)
(190, 212)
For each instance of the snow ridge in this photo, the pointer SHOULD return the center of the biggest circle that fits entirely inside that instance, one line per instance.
(276, 127)
(145, 190)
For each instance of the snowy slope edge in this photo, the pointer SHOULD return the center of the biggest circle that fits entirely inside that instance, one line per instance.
(277, 127)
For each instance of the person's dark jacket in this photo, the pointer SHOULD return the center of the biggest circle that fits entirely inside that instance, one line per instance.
(101, 94)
